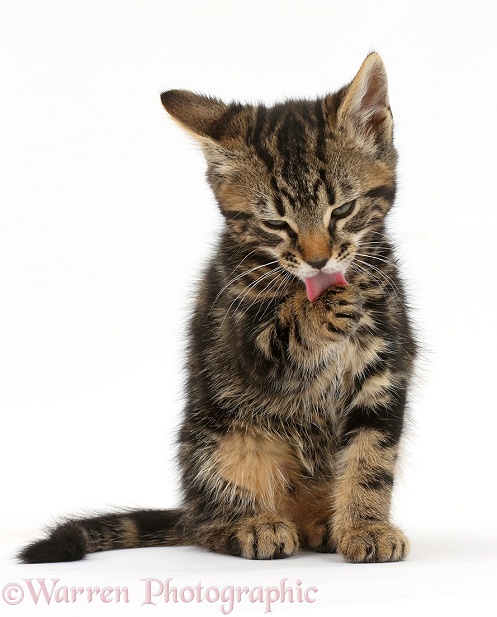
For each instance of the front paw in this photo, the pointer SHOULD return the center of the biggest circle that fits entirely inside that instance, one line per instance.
(263, 537)
(373, 543)
(342, 309)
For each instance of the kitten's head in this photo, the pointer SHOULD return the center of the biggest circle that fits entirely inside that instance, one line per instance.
(304, 181)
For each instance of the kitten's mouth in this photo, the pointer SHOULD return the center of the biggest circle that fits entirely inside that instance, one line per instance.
(317, 284)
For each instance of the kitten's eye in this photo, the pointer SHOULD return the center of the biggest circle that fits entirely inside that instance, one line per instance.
(344, 210)
(276, 224)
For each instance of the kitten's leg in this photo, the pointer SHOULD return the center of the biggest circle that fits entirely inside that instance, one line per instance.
(365, 474)
(359, 527)
(237, 494)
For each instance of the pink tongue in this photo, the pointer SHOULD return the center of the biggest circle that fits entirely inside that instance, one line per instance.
(315, 285)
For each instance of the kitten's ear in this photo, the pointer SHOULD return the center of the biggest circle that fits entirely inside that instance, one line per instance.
(365, 105)
(200, 115)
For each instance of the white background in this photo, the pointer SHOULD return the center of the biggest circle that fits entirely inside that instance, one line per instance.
(106, 222)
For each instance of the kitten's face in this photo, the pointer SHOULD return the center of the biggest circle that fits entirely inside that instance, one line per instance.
(304, 181)
(308, 212)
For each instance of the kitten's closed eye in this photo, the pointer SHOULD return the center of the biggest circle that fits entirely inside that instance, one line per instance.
(276, 224)
(343, 210)
(279, 225)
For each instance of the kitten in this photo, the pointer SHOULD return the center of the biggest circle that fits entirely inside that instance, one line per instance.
(300, 350)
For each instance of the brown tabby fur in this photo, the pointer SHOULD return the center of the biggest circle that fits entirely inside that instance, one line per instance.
(294, 408)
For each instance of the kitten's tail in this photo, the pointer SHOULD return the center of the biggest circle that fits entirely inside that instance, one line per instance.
(72, 539)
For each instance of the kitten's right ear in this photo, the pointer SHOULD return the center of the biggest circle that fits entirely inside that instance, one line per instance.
(201, 115)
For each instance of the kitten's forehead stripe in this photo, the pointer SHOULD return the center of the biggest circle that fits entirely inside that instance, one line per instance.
(258, 137)
(292, 199)
(293, 160)
(329, 188)
(317, 185)
(320, 131)
(278, 204)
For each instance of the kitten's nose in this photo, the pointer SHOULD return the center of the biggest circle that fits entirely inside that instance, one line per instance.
(318, 263)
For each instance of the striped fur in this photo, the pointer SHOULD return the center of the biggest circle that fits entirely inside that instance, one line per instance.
(295, 410)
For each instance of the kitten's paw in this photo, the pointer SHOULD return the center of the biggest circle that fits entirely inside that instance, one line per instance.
(263, 537)
(373, 543)
(317, 536)
(342, 307)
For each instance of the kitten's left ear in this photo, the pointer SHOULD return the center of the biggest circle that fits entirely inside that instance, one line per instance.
(365, 107)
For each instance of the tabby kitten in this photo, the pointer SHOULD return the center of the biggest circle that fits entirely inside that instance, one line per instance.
(300, 350)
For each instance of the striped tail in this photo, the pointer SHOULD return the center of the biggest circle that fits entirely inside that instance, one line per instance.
(73, 539)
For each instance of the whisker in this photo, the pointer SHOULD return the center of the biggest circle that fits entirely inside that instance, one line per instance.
(269, 285)
(386, 261)
(247, 288)
(390, 282)
(285, 278)
(242, 274)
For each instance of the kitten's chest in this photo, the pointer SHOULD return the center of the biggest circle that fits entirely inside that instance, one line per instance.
(322, 401)
(313, 431)
(316, 408)
(329, 387)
